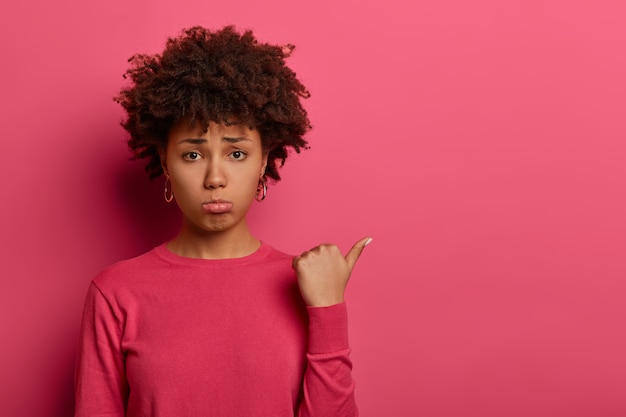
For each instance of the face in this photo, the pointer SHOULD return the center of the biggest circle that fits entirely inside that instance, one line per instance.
(214, 174)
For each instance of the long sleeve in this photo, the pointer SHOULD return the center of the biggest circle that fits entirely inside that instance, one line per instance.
(328, 385)
(100, 381)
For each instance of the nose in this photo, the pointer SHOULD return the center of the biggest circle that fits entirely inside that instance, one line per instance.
(215, 176)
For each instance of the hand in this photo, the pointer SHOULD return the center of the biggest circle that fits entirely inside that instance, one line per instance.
(323, 273)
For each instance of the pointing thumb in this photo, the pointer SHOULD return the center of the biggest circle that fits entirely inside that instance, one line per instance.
(353, 255)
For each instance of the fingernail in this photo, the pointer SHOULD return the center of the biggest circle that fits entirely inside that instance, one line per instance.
(368, 241)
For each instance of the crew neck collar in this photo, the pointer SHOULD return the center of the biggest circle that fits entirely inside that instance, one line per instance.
(164, 253)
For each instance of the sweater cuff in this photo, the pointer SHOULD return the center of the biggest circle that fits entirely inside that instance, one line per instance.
(328, 328)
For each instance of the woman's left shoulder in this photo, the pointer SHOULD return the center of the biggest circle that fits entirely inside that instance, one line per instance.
(275, 255)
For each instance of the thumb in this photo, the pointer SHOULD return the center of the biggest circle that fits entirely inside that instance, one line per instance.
(353, 255)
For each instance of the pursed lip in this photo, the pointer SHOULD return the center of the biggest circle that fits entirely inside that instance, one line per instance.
(217, 206)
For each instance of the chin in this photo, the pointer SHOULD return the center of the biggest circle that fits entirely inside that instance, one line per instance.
(217, 226)
(222, 224)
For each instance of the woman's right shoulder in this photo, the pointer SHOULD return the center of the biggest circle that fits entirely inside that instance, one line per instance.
(129, 270)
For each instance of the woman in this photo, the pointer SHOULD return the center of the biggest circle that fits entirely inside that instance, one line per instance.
(215, 322)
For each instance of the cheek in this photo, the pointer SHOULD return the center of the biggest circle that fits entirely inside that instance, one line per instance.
(249, 182)
(184, 182)
(245, 186)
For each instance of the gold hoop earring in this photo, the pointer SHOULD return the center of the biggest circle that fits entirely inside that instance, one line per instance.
(261, 189)
(171, 196)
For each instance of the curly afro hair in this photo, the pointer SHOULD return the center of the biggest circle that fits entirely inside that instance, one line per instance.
(205, 76)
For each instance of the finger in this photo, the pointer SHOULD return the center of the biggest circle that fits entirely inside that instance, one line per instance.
(295, 261)
(353, 255)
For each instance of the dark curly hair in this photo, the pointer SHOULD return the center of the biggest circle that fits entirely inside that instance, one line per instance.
(205, 76)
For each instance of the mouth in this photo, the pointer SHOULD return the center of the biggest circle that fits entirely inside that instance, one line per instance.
(217, 206)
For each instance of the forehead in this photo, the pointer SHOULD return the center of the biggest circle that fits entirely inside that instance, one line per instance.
(184, 129)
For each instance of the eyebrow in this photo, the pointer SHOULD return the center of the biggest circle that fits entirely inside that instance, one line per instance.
(236, 139)
(200, 141)
(193, 141)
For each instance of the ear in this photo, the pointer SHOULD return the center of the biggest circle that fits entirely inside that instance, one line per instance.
(264, 162)
(163, 157)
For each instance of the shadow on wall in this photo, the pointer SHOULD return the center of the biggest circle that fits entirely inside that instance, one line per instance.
(65, 406)
(149, 219)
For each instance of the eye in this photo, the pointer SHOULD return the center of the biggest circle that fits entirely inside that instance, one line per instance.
(191, 156)
(238, 155)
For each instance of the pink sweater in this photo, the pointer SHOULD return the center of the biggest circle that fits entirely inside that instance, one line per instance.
(164, 335)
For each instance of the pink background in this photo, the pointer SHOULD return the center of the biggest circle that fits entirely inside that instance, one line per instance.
(481, 144)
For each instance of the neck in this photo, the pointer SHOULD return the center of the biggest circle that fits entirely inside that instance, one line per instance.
(193, 243)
